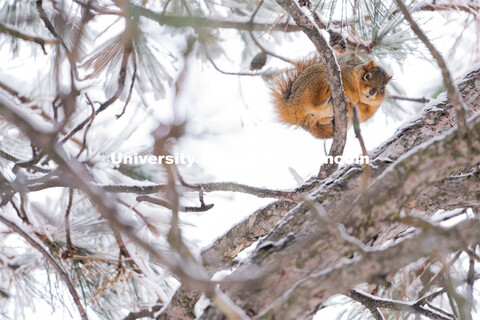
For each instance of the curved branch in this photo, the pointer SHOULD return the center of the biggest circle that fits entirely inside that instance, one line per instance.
(452, 90)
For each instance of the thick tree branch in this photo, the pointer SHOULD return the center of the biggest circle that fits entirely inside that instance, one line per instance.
(315, 249)
(370, 265)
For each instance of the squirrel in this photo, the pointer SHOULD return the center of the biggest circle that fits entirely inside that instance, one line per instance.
(302, 95)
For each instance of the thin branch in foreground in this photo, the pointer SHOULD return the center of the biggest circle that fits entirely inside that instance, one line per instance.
(63, 275)
(20, 35)
(452, 90)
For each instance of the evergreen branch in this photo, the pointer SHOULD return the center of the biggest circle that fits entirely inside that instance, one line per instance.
(51, 28)
(78, 176)
(122, 75)
(63, 275)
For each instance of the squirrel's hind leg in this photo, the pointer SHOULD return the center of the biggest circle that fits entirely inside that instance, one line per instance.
(319, 130)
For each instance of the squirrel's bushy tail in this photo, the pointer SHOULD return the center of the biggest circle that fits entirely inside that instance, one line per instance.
(282, 86)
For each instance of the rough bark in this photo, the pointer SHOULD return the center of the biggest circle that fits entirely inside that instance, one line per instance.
(303, 244)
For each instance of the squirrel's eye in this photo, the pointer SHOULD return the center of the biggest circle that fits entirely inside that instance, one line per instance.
(367, 76)
(372, 92)
(382, 91)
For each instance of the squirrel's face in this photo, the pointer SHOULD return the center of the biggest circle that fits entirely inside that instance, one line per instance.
(372, 84)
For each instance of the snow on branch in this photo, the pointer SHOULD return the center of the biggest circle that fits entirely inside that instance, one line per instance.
(313, 250)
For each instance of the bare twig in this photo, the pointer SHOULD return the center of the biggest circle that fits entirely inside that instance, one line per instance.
(132, 82)
(51, 28)
(419, 100)
(144, 313)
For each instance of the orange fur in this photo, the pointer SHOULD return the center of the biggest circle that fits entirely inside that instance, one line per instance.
(302, 95)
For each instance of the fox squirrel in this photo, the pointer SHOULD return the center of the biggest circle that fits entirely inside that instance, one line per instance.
(302, 95)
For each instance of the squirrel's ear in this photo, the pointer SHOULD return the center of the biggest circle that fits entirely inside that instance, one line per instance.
(371, 64)
(389, 77)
